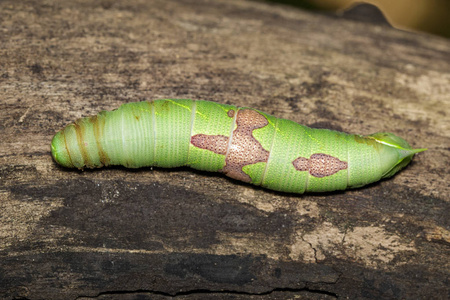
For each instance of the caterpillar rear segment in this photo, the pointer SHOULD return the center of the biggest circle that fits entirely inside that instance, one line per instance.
(242, 143)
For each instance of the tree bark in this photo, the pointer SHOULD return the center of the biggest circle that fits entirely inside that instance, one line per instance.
(116, 233)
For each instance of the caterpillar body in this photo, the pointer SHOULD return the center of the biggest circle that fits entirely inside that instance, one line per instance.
(243, 143)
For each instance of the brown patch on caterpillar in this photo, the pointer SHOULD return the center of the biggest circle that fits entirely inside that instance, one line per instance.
(65, 145)
(230, 113)
(366, 140)
(98, 125)
(301, 164)
(79, 130)
(320, 165)
(215, 143)
(244, 149)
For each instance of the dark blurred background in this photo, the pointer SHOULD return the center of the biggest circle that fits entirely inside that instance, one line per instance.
(432, 16)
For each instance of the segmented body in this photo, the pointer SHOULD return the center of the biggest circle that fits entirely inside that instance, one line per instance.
(243, 143)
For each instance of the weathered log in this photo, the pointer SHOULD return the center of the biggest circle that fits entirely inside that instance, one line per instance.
(117, 233)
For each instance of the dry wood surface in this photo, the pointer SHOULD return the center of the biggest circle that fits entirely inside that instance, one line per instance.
(117, 233)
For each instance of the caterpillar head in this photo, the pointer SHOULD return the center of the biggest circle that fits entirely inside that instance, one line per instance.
(59, 150)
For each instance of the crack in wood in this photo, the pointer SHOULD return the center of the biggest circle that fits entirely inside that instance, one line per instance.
(210, 292)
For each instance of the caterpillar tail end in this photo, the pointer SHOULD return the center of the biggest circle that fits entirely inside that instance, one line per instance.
(396, 151)
(59, 151)
(415, 151)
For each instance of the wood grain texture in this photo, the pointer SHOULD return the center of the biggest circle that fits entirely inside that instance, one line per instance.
(150, 234)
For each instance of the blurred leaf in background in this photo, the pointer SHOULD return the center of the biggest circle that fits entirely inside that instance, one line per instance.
(431, 16)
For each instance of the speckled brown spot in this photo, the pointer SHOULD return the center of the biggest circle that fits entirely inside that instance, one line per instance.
(320, 165)
(230, 113)
(244, 149)
(301, 164)
(215, 143)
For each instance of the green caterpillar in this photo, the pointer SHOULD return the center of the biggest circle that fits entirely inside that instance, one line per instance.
(243, 143)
